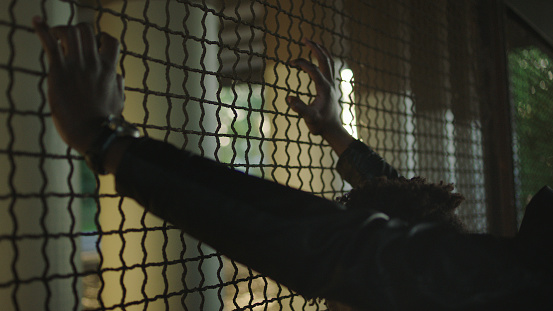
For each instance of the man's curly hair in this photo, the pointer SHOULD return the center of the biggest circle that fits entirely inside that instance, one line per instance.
(412, 200)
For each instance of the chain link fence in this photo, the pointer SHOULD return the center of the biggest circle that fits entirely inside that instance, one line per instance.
(211, 77)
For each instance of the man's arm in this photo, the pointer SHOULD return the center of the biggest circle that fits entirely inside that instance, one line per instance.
(322, 115)
(291, 236)
(318, 249)
(357, 162)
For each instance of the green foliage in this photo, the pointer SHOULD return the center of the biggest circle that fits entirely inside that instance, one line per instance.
(531, 73)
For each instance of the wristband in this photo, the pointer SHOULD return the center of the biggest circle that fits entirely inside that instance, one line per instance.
(112, 128)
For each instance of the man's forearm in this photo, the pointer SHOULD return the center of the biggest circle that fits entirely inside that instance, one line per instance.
(291, 236)
(115, 153)
(339, 139)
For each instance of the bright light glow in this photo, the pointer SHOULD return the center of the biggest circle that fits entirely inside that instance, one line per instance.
(450, 145)
(348, 111)
(225, 141)
(410, 126)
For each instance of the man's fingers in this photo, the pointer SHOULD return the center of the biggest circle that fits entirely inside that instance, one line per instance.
(88, 42)
(297, 105)
(70, 40)
(120, 83)
(121, 86)
(313, 72)
(109, 49)
(48, 41)
(330, 59)
(325, 64)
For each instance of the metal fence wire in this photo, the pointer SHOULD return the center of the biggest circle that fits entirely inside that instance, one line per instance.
(211, 77)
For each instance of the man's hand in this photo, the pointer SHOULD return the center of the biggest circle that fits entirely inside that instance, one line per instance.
(322, 115)
(83, 86)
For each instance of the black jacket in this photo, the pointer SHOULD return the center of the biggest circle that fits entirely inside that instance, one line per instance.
(320, 249)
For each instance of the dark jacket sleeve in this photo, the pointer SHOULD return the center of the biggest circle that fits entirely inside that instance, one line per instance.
(318, 248)
(359, 163)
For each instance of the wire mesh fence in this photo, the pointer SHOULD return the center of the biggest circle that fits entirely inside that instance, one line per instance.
(211, 77)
